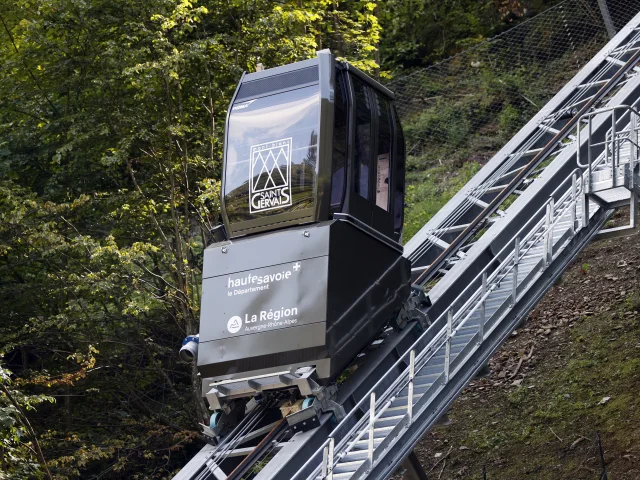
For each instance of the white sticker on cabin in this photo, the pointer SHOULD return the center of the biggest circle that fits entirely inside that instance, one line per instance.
(270, 176)
(382, 181)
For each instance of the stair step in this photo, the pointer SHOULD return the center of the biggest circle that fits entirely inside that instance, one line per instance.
(378, 432)
(389, 421)
(430, 377)
(461, 339)
(395, 411)
(355, 455)
(416, 389)
(342, 476)
(363, 444)
(429, 369)
(347, 467)
(402, 400)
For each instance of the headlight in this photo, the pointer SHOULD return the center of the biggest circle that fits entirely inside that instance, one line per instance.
(189, 350)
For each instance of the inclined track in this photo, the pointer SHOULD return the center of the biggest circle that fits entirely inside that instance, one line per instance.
(488, 256)
(441, 243)
(526, 170)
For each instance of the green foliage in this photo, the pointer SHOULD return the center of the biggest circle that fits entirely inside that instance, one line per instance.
(445, 27)
(111, 123)
(19, 449)
(429, 190)
(509, 120)
(448, 121)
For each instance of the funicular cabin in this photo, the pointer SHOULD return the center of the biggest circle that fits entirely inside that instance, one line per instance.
(311, 268)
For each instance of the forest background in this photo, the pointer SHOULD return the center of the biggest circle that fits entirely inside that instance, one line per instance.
(111, 131)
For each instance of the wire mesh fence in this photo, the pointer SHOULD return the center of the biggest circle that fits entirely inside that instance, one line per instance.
(468, 106)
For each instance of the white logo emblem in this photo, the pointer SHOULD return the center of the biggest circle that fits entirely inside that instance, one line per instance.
(270, 180)
(242, 105)
(234, 324)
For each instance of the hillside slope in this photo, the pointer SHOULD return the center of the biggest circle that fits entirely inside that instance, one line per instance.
(572, 370)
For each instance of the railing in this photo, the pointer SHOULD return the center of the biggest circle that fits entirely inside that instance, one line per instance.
(613, 141)
(579, 96)
(551, 212)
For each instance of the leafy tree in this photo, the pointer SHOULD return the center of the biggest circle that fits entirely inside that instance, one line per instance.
(21, 456)
(111, 123)
(441, 28)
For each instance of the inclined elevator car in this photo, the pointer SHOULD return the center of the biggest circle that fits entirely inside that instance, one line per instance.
(308, 266)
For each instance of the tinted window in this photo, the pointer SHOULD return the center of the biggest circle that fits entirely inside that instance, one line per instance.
(383, 157)
(398, 204)
(340, 132)
(363, 138)
(270, 164)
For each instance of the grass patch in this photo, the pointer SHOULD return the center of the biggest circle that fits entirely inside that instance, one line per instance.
(587, 382)
(428, 190)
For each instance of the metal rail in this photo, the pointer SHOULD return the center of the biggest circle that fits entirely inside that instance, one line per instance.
(457, 214)
(455, 324)
(257, 453)
(497, 279)
(526, 261)
(524, 172)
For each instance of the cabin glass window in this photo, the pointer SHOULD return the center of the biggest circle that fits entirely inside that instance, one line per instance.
(340, 127)
(383, 156)
(271, 156)
(362, 138)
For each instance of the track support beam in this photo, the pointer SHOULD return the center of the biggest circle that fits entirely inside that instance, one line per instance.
(413, 469)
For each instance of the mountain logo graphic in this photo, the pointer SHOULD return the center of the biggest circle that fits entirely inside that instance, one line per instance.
(234, 324)
(270, 177)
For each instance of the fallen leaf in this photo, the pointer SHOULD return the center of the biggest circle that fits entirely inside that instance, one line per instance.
(576, 442)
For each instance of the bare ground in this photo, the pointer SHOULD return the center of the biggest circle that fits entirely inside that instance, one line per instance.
(572, 370)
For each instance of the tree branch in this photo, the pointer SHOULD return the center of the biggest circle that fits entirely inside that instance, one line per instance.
(30, 430)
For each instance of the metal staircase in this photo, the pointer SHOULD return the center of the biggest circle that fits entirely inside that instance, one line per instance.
(469, 324)
(445, 239)
(502, 272)
(484, 260)
(613, 179)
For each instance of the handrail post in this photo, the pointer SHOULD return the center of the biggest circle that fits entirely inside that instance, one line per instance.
(589, 155)
(447, 355)
(412, 366)
(547, 227)
(372, 420)
(574, 202)
(585, 209)
(633, 149)
(516, 261)
(613, 148)
(325, 460)
(550, 233)
(578, 125)
(330, 459)
(483, 309)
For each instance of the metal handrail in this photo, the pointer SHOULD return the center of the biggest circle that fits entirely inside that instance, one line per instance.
(545, 227)
(463, 314)
(516, 156)
(555, 211)
(589, 116)
(439, 339)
